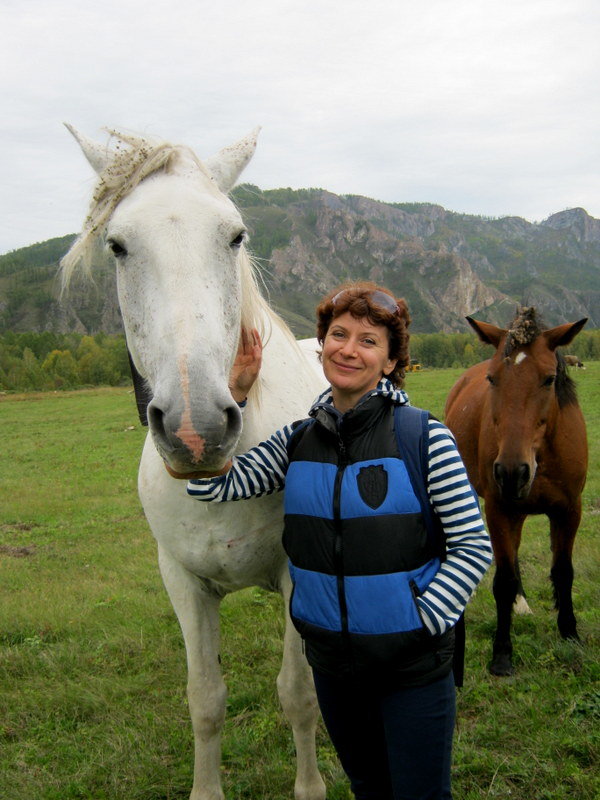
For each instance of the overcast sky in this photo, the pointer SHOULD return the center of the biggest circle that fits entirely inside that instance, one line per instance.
(484, 107)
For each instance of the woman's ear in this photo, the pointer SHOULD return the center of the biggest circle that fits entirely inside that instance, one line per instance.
(391, 366)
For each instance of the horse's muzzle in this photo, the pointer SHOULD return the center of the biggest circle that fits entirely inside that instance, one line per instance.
(514, 483)
(188, 447)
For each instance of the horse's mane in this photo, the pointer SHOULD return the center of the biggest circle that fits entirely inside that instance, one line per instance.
(524, 329)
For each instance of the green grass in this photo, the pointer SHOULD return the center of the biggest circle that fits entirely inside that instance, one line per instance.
(92, 665)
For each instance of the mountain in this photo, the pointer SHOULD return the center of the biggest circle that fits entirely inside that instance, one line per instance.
(447, 265)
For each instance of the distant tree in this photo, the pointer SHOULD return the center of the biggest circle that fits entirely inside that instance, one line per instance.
(116, 351)
(469, 355)
(594, 345)
(90, 362)
(435, 350)
(61, 368)
(33, 374)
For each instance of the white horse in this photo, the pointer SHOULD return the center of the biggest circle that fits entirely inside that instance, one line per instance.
(186, 287)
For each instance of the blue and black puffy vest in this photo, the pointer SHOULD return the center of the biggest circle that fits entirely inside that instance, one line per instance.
(360, 549)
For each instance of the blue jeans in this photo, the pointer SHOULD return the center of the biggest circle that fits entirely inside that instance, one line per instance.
(394, 744)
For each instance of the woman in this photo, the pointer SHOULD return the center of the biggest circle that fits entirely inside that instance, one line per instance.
(374, 599)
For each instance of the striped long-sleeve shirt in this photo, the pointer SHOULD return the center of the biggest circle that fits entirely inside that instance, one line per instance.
(263, 468)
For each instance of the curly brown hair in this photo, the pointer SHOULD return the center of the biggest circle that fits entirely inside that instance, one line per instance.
(360, 299)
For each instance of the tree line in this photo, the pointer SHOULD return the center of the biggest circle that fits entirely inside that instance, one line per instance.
(439, 350)
(51, 361)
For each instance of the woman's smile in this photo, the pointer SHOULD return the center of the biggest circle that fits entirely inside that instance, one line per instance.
(346, 367)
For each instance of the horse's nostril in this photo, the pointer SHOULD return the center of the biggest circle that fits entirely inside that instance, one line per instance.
(156, 419)
(499, 473)
(232, 416)
(232, 426)
(522, 475)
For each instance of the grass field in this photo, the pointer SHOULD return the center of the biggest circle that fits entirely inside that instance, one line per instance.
(92, 666)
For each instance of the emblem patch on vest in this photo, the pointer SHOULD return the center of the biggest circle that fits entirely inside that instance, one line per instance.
(373, 485)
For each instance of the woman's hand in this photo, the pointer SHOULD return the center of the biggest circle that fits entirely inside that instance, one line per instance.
(246, 365)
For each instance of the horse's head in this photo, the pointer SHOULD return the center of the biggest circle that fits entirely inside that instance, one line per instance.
(527, 384)
(182, 277)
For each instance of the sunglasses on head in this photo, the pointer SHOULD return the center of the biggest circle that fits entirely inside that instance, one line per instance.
(379, 299)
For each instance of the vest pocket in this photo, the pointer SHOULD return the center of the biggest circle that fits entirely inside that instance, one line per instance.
(314, 599)
(415, 592)
(381, 604)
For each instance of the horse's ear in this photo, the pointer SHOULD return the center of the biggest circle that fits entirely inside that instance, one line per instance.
(227, 165)
(98, 155)
(489, 334)
(563, 334)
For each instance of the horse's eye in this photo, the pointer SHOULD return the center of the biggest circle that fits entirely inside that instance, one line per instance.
(490, 379)
(117, 249)
(549, 380)
(238, 241)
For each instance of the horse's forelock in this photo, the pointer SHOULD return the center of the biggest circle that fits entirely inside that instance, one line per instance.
(524, 329)
(133, 158)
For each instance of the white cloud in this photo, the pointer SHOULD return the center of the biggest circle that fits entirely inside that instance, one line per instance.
(482, 107)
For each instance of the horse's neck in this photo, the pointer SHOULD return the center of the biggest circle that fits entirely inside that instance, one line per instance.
(289, 384)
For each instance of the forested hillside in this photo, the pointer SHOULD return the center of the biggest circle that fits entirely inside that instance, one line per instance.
(447, 265)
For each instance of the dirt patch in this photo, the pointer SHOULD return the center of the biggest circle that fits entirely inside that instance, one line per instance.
(18, 526)
(17, 552)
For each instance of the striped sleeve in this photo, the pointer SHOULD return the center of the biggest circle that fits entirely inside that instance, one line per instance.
(468, 549)
(260, 471)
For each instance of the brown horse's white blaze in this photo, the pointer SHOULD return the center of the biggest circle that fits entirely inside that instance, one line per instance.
(520, 416)
(522, 437)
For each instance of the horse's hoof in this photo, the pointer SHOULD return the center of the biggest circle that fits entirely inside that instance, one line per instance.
(571, 636)
(501, 666)
(567, 627)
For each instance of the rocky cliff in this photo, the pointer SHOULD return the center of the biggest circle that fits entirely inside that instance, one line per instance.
(447, 265)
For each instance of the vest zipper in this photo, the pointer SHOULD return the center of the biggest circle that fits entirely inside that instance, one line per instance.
(414, 590)
(338, 554)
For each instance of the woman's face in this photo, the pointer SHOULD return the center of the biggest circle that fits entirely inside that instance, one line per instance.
(355, 357)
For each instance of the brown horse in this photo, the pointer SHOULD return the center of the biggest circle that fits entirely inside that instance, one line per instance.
(522, 437)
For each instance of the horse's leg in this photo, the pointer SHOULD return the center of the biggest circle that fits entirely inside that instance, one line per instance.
(563, 527)
(299, 703)
(505, 534)
(198, 613)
